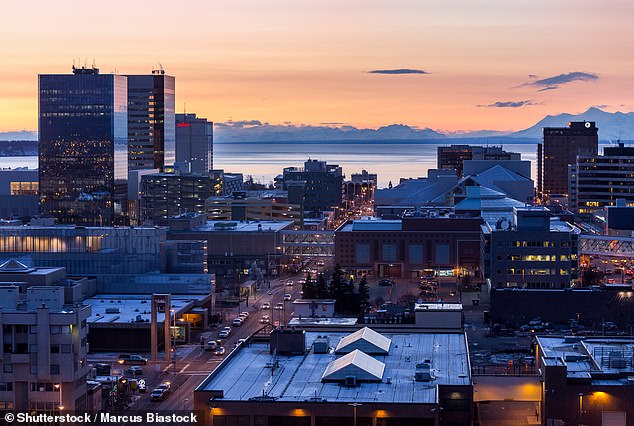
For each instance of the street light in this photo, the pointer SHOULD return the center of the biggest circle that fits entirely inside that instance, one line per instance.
(580, 408)
(354, 406)
(58, 386)
(173, 312)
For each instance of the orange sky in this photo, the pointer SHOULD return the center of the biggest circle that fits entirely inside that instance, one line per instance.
(307, 61)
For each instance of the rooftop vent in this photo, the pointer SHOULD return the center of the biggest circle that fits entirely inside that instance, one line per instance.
(423, 372)
(321, 345)
(112, 311)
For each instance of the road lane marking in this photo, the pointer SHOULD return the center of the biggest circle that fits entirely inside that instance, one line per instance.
(183, 369)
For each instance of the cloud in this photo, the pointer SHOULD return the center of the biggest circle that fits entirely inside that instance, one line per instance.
(240, 124)
(398, 71)
(600, 106)
(552, 83)
(532, 76)
(509, 104)
(333, 123)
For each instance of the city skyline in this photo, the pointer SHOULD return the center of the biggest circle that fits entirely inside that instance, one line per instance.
(451, 66)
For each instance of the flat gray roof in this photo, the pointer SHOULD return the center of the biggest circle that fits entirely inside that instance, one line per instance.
(591, 356)
(250, 226)
(131, 305)
(436, 306)
(299, 378)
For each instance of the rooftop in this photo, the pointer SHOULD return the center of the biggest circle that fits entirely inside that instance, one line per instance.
(246, 226)
(591, 358)
(133, 308)
(299, 378)
(435, 306)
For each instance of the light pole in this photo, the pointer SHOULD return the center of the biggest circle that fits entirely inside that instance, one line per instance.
(580, 408)
(173, 311)
(58, 386)
(354, 406)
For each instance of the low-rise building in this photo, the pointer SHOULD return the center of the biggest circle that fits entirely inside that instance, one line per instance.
(268, 205)
(586, 381)
(19, 193)
(303, 378)
(408, 247)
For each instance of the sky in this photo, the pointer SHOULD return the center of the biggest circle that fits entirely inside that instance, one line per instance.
(449, 65)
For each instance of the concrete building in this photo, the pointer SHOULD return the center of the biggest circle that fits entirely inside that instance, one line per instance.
(586, 381)
(559, 148)
(151, 122)
(385, 380)
(135, 194)
(19, 193)
(44, 349)
(122, 322)
(452, 157)
(83, 139)
(322, 183)
(194, 142)
(360, 188)
(266, 205)
(409, 247)
(172, 193)
(233, 246)
(619, 220)
(597, 181)
(534, 250)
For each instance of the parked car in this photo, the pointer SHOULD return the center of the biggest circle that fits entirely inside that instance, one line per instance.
(102, 369)
(167, 386)
(279, 306)
(220, 351)
(265, 305)
(237, 322)
(224, 333)
(135, 370)
(244, 314)
(386, 282)
(288, 297)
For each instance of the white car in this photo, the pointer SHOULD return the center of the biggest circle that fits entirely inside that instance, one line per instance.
(288, 297)
(237, 322)
(289, 283)
(279, 306)
(265, 319)
(244, 314)
(265, 305)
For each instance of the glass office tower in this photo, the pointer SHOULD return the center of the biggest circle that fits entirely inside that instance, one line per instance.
(83, 135)
(151, 121)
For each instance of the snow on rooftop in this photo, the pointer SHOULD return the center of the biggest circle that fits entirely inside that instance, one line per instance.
(356, 364)
(365, 339)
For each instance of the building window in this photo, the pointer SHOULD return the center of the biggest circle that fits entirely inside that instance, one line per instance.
(54, 368)
(6, 386)
(55, 329)
(7, 368)
(54, 349)
(66, 349)
(33, 369)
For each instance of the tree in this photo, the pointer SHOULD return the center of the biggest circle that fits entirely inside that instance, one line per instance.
(364, 295)
(308, 288)
(337, 289)
(321, 289)
(350, 301)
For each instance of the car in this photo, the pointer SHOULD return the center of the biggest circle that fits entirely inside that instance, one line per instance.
(135, 370)
(244, 314)
(386, 282)
(279, 306)
(265, 319)
(158, 395)
(289, 283)
(211, 345)
(265, 305)
(452, 293)
(301, 281)
(288, 297)
(224, 333)
(237, 322)
(270, 292)
(167, 386)
(220, 351)
(133, 359)
(102, 369)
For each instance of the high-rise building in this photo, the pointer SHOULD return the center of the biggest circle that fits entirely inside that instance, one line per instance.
(560, 147)
(323, 185)
(597, 181)
(194, 142)
(151, 121)
(83, 121)
(168, 194)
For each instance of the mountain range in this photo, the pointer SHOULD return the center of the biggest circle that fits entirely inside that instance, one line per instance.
(612, 126)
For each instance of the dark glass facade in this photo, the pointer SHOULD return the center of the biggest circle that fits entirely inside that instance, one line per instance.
(82, 144)
(151, 121)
